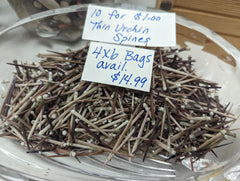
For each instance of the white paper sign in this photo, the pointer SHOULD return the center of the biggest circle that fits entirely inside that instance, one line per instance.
(130, 27)
(119, 66)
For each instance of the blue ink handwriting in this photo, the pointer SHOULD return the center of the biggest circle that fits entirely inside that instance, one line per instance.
(96, 12)
(128, 79)
(121, 38)
(100, 26)
(140, 16)
(135, 29)
(131, 56)
(105, 53)
(111, 66)
(125, 33)
(116, 15)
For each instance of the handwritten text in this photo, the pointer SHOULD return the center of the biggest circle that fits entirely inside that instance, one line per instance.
(119, 66)
(130, 27)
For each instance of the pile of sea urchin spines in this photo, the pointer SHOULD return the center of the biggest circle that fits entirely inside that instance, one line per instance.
(49, 109)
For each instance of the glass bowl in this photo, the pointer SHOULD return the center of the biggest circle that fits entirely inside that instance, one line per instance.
(67, 27)
(216, 60)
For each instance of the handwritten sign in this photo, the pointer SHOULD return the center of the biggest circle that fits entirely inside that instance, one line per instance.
(119, 66)
(130, 27)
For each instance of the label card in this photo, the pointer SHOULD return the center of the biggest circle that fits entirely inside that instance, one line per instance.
(130, 27)
(119, 66)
